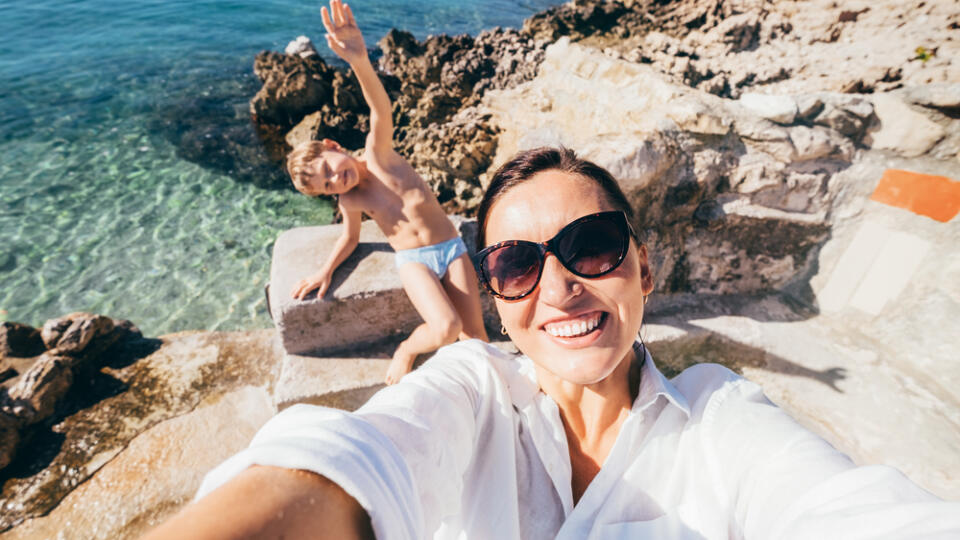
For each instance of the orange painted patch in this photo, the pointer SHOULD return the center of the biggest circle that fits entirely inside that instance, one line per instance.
(936, 197)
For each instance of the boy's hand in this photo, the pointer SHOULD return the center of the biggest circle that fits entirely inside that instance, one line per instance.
(319, 281)
(343, 36)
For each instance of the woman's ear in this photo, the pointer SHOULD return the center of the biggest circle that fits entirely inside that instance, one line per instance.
(646, 276)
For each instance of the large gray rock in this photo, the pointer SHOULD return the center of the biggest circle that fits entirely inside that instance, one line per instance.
(365, 304)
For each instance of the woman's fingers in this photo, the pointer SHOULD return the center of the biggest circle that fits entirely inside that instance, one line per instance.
(349, 15)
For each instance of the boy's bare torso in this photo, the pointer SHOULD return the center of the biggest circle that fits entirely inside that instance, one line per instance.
(400, 201)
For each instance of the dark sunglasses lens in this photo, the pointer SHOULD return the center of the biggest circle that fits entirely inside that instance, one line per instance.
(513, 270)
(593, 247)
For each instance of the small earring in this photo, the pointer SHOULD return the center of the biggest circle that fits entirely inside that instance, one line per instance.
(503, 330)
(645, 297)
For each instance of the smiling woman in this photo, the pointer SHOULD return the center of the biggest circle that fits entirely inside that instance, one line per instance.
(581, 437)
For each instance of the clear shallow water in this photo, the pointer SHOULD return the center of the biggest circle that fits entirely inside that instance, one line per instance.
(97, 210)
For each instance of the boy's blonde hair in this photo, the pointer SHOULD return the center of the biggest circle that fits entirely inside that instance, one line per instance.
(299, 159)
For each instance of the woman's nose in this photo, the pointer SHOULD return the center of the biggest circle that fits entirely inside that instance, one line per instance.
(557, 285)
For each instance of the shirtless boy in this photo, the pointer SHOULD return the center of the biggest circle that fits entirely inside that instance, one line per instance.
(432, 261)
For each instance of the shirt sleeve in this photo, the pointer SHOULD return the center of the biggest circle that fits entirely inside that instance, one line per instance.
(401, 456)
(782, 481)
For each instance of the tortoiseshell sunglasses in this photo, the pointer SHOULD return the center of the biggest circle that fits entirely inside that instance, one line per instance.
(590, 246)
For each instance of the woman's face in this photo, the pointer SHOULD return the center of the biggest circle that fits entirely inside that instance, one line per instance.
(540, 323)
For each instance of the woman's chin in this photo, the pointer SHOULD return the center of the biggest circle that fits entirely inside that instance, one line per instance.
(583, 367)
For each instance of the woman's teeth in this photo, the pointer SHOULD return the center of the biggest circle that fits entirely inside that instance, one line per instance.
(573, 328)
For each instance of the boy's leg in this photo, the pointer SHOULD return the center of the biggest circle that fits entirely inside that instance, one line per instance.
(441, 322)
(460, 283)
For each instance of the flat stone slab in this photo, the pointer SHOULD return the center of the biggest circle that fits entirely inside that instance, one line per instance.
(365, 304)
(343, 381)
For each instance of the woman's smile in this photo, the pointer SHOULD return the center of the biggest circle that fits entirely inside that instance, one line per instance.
(576, 331)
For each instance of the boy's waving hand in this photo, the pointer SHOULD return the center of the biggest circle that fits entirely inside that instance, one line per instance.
(346, 41)
(343, 35)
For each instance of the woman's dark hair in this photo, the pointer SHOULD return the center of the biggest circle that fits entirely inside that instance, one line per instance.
(530, 162)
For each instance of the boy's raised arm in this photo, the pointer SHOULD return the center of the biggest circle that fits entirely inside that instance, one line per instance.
(345, 39)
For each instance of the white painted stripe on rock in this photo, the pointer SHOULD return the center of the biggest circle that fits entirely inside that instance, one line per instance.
(852, 266)
(896, 264)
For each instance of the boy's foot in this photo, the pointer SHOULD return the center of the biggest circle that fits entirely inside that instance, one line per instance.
(399, 366)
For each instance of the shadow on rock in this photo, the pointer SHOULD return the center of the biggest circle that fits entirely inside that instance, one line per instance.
(674, 356)
(362, 251)
(699, 344)
(45, 444)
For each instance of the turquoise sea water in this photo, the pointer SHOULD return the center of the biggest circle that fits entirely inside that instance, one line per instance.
(99, 209)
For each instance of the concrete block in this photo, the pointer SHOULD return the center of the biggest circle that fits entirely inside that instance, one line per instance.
(341, 382)
(366, 302)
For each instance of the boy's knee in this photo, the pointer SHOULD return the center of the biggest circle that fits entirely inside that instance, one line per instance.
(448, 329)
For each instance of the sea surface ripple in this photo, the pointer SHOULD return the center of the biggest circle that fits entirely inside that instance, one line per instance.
(98, 212)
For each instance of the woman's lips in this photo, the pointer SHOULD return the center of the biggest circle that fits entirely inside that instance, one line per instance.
(576, 331)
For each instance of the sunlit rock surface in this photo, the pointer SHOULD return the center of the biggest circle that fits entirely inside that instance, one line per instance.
(750, 142)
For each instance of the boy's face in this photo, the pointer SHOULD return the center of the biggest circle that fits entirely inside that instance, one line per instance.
(332, 173)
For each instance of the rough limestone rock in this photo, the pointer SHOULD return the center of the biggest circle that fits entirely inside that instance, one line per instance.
(779, 109)
(19, 340)
(365, 303)
(72, 333)
(35, 395)
(902, 129)
(779, 48)
(296, 86)
(733, 201)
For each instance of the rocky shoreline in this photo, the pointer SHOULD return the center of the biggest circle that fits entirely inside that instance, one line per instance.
(748, 135)
(725, 48)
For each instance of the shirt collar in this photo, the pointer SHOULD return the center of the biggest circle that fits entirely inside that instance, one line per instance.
(653, 385)
(522, 383)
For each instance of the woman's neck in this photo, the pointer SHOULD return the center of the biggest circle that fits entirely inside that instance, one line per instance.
(592, 416)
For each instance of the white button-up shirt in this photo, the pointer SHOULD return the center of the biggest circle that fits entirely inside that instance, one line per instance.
(467, 446)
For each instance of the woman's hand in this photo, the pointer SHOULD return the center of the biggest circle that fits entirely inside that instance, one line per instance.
(343, 36)
(319, 281)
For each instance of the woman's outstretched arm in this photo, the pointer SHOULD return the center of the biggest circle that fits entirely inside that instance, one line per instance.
(270, 502)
